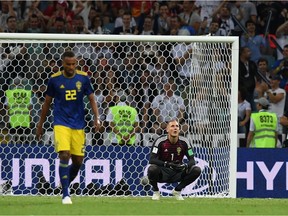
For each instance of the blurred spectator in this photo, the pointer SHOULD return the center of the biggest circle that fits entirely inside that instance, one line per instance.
(58, 26)
(130, 71)
(276, 96)
(97, 26)
(244, 113)
(262, 85)
(161, 19)
(122, 48)
(12, 64)
(100, 51)
(150, 92)
(190, 15)
(175, 8)
(119, 4)
(92, 13)
(108, 23)
(111, 86)
(247, 75)
(84, 64)
(84, 7)
(185, 56)
(243, 11)
(198, 110)
(223, 13)
(206, 9)
(6, 11)
(34, 24)
(282, 35)
(263, 10)
(146, 28)
(281, 67)
(167, 106)
(256, 43)
(123, 120)
(140, 7)
(18, 104)
(119, 22)
(78, 26)
(61, 8)
(212, 30)
(137, 98)
(11, 25)
(126, 27)
(177, 27)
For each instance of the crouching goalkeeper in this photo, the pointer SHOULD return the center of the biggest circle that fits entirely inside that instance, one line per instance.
(166, 162)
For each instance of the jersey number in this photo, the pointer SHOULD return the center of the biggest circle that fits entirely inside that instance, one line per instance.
(266, 119)
(172, 156)
(70, 95)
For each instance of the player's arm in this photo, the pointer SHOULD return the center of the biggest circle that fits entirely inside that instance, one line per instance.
(44, 112)
(251, 133)
(249, 138)
(154, 158)
(94, 107)
(190, 156)
(191, 161)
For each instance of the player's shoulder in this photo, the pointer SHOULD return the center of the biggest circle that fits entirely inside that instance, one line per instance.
(57, 74)
(160, 140)
(183, 140)
(82, 73)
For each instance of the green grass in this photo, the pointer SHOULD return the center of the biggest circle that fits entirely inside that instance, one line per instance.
(42, 205)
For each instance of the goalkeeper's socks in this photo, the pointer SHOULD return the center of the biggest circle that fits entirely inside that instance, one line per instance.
(73, 171)
(64, 177)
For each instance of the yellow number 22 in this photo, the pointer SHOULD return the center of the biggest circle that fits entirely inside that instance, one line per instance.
(70, 95)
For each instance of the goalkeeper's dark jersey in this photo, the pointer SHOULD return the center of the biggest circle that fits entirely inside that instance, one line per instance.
(163, 150)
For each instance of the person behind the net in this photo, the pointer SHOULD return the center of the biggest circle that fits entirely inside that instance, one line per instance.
(263, 128)
(167, 164)
(68, 88)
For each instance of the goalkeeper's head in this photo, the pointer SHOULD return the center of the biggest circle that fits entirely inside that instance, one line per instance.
(173, 128)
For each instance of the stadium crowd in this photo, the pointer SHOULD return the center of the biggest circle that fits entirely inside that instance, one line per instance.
(137, 76)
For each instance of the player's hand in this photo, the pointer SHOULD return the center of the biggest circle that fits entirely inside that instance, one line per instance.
(176, 167)
(180, 167)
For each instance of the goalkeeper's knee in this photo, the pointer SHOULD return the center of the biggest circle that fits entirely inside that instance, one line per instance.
(195, 170)
(153, 172)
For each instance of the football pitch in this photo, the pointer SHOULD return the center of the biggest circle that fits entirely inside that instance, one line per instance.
(82, 205)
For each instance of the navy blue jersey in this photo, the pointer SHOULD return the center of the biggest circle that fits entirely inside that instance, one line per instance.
(68, 94)
(164, 150)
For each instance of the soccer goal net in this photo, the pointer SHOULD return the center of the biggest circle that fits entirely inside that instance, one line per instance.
(194, 79)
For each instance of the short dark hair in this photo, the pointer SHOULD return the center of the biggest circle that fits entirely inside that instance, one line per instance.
(243, 93)
(10, 17)
(262, 60)
(68, 53)
(249, 21)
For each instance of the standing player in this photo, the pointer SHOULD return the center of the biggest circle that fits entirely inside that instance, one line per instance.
(166, 162)
(68, 88)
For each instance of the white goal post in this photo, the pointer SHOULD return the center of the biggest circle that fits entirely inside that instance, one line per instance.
(137, 66)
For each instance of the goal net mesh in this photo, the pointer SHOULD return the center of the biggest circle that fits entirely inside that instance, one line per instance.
(197, 76)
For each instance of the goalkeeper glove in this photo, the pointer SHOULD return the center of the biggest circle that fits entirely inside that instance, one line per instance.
(176, 167)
